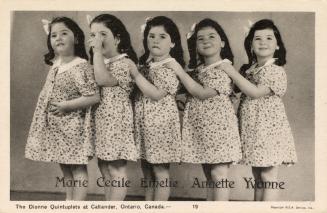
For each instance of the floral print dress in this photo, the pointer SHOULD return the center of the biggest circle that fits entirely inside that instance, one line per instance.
(114, 115)
(210, 129)
(65, 139)
(265, 131)
(157, 123)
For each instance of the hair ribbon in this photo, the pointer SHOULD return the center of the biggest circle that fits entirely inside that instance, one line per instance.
(189, 34)
(89, 19)
(46, 24)
(144, 25)
(248, 27)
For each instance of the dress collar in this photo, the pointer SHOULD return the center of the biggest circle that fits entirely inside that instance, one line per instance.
(217, 63)
(254, 69)
(159, 63)
(115, 58)
(64, 67)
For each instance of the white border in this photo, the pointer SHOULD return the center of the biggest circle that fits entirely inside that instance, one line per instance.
(319, 7)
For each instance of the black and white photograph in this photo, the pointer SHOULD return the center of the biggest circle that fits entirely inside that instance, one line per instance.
(155, 107)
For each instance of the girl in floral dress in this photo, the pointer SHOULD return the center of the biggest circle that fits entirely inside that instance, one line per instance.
(157, 124)
(113, 57)
(210, 131)
(61, 128)
(266, 136)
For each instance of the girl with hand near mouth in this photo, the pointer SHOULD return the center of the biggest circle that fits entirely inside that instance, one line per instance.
(61, 130)
(210, 132)
(157, 124)
(266, 136)
(113, 57)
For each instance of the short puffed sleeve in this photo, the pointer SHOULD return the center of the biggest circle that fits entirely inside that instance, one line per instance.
(84, 79)
(219, 81)
(166, 79)
(121, 71)
(274, 77)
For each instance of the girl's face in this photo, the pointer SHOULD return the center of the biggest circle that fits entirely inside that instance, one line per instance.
(62, 39)
(159, 42)
(208, 42)
(109, 42)
(264, 43)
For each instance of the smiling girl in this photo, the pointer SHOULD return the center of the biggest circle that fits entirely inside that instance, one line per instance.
(266, 136)
(61, 128)
(113, 57)
(210, 132)
(157, 124)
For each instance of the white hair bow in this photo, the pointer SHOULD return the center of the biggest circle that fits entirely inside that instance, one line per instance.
(89, 19)
(144, 25)
(248, 27)
(189, 34)
(46, 24)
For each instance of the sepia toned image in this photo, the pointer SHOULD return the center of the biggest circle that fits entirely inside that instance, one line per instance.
(163, 106)
(134, 143)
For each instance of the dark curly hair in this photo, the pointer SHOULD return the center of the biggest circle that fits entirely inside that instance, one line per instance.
(171, 28)
(79, 46)
(195, 58)
(118, 30)
(280, 54)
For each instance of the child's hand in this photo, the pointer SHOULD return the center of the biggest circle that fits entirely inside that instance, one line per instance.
(175, 66)
(227, 68)
(96, 43)
(59, 108)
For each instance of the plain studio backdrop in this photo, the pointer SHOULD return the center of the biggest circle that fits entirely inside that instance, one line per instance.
(28, 72)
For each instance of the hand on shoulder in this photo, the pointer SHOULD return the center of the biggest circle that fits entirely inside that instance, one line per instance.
(227, 67)
(174, 65)
(132, 67)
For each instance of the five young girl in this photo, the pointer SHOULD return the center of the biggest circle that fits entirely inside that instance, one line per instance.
(126, 126)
